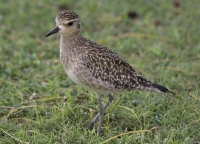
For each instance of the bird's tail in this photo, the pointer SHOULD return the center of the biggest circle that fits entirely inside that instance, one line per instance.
(162, 88)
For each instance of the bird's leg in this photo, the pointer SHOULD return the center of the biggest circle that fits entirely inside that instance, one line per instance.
(110, 99)
(101, 112)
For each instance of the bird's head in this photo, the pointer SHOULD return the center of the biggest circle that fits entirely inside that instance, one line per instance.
(67, 23)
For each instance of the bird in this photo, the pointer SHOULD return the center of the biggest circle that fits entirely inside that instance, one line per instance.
(95, 67)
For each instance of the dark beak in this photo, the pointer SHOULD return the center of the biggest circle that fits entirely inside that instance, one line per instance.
(54, 30)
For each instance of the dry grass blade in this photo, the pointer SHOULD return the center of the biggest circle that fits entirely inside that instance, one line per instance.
(13, 137)
(194, 97)
(139, 131)
(194, 122)
(15, 109)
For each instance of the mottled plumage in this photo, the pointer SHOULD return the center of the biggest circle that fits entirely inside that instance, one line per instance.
(95, 67)
(106, 65)
(67, 16)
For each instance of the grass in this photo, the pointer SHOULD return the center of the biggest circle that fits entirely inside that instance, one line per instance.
(40, 104)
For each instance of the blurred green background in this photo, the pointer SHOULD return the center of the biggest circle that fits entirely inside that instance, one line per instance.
(40, 104)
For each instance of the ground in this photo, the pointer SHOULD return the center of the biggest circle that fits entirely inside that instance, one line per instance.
(40, 104)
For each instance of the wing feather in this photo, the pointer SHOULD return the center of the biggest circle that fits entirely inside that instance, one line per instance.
(106, 65)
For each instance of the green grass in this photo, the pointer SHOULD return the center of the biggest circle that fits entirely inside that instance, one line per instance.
(40, 104)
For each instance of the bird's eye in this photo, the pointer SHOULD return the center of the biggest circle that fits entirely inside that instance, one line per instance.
(70, 24)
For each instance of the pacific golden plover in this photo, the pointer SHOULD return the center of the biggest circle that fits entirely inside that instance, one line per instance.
(95, 67)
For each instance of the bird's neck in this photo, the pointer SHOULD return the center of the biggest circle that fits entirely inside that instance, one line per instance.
(70, 47)
(68, 42)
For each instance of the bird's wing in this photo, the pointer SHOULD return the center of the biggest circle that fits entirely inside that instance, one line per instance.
(106, 65)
